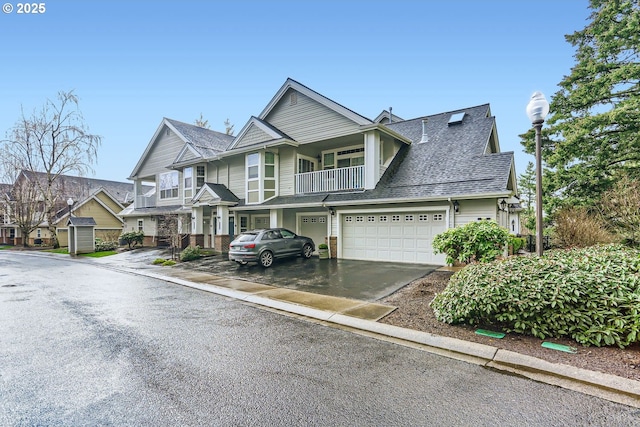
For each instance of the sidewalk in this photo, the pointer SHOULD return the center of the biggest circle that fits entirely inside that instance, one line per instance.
(361, 317)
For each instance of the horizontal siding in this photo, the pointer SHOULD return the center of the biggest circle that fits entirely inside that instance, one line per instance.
(287, 170)
(163, 152)
(102, 217)
(108, 201)
(253, 135)
(309, 121)
(471, 210)
(237, 176)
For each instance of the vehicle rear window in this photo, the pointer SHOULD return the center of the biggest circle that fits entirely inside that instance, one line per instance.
(246, 238)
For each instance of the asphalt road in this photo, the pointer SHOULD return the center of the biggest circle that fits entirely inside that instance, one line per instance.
(87, 345)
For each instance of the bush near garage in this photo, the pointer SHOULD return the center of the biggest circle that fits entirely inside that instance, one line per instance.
(589, 294)
(480, 241)
(102, 245)
(190, 253)
(133, 238)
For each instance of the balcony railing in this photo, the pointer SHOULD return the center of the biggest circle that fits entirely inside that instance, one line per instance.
(145, 201)
(351, 178)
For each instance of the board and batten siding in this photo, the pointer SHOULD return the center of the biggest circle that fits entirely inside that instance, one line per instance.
(163, 152)
(103, 218)
(254, 135)
(308, 121)
(472, 210)
(108, 201)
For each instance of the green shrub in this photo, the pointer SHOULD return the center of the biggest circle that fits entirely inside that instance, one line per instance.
(480, 241)
(169, 263)
(591, 295)
(133, 238)
(323, 246)
(190, 253)
(515, 243)
(102, 246)
(159, 261)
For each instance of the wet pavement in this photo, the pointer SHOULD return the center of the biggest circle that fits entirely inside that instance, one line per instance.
(360, 280)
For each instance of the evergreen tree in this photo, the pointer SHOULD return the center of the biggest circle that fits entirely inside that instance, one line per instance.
(593, 133)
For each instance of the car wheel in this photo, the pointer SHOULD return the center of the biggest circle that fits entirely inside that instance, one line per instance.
(266, 259)
(307, 250)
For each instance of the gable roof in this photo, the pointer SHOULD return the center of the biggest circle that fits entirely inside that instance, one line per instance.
(217, 192)
(81, 187)
(80, 221)
(63, 213)
(292, 84)
(200, 142)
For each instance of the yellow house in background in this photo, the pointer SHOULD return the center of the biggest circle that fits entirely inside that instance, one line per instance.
(100, 206)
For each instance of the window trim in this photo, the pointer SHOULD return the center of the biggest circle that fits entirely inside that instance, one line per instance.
(171, 189)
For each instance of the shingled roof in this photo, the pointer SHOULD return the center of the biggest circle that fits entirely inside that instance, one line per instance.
(206, 142)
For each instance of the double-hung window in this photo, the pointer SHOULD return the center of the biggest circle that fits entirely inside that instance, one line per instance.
(188, 183)
(169, 185)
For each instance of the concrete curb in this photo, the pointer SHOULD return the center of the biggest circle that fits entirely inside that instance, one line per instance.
(605, 386)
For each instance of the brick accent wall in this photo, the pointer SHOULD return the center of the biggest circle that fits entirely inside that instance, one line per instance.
(196, 240)
(333, 246)
(221, 242)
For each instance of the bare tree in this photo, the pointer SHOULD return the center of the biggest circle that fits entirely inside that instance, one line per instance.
(202, 122)
(54, 141)
(228, 127)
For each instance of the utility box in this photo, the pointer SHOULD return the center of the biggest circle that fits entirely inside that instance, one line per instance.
(82, 235)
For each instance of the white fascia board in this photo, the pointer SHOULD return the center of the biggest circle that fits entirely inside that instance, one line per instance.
(292, 84)
(260, 146)
(164, 122)
(382, 128)
(418, 200)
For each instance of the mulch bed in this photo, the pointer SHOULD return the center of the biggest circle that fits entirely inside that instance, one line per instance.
(414, 313)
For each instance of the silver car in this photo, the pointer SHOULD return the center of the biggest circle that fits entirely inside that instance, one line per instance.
(263, 246)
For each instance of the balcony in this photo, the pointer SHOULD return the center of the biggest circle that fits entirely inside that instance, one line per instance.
(145, 201)
(351, 178)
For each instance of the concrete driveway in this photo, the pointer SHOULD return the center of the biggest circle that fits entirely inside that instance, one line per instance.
(361, 280)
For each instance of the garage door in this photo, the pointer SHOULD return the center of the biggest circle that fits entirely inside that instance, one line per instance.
(397, 237)
(315, 227)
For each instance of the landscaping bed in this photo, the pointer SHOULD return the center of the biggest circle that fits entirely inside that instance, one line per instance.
(414, 312)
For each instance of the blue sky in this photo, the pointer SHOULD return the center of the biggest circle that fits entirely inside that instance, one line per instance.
(134, 62)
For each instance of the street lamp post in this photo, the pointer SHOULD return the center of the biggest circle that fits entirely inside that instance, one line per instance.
(537, 110)
(70, 203)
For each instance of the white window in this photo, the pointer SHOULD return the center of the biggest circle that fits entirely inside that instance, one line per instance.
(348, 219)
(408, 218)
(359, 219)
(423, 218)
(383, 218)
(322, 220)
(38, 233)
(188, 182)
(141, 225)
(395, 218)
(371, 218)
(261, 177)
(343, 158)
(438, 217)
(169, 185)
(199, 177)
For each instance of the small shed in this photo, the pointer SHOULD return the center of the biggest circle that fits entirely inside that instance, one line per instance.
(82, 235)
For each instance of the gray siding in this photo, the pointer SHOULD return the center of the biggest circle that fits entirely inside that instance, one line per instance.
(84, 239)
(308, 121)
(253, 135)
(471, 210)
(163, 152)
(287, 170)
(236, 176)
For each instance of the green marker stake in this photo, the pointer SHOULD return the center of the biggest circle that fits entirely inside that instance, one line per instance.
(559, 347)
(490, 333)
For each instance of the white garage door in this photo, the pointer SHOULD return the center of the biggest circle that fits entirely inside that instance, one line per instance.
(315, 227)
(396, 237)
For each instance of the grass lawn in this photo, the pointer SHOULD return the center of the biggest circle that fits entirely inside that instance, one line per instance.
(65, 251)
(4, 247)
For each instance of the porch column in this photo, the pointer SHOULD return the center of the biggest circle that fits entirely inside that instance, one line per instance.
(275, 218)
(197, 233)
(371, 159)
(222, 238)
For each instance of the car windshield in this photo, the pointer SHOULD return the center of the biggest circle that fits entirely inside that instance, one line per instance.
(248, 237)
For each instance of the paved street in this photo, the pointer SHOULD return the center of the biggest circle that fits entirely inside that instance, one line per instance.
(87, 345)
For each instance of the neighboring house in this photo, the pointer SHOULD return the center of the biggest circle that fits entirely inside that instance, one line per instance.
(96, 198)
(373, 189)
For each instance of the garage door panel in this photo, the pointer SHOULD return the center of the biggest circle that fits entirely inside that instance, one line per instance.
(397, 237)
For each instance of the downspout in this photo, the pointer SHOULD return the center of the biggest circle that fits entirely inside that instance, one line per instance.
(453, 213)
